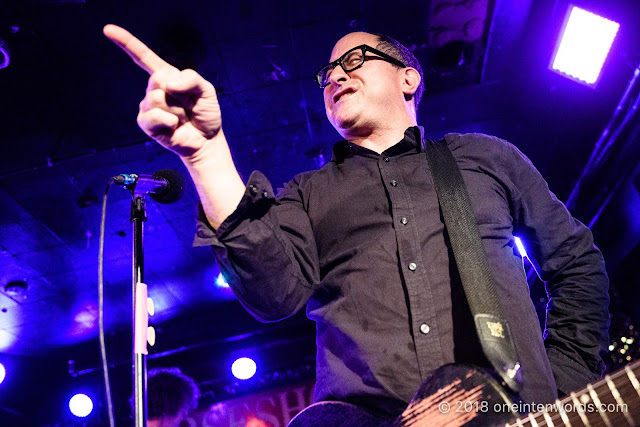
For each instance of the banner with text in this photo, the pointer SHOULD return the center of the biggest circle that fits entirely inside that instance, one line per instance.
(273, 408)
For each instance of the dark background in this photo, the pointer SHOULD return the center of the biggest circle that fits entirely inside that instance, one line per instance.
(68, 113)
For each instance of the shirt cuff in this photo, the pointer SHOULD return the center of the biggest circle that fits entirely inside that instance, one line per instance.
(569, 374)
(258, 196)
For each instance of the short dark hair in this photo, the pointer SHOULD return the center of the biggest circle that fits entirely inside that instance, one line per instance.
(169, 391)
(399, 51)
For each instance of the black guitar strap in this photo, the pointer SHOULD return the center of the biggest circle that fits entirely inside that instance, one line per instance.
(471, 260)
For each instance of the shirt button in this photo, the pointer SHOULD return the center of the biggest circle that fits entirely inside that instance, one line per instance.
(424, 328)
(386, 159)
(253, 190)
(403, 220)
(394, 182)
(413, 266)
(265, 194)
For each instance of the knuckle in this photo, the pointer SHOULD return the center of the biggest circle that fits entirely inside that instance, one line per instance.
(159, 78)
(207, 85)
(154, 80)
(142, 120)
(154, 117)
(189, 73)
(159, 118)
(156, 97)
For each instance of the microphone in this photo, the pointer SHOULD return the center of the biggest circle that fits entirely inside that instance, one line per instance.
(165, 185)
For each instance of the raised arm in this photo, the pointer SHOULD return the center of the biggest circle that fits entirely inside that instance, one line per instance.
(181, 112)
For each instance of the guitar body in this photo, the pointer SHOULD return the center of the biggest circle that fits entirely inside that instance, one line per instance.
(337, 414)
(459, 395)
(454, 395)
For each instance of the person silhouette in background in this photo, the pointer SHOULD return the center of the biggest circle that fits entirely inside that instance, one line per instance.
(170, 396)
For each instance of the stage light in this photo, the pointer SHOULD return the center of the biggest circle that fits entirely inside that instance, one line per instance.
(221, 281)
(6, 339)
(243, 368)
(80, 405)
(584, 44)
(3, 372)
(520, 247)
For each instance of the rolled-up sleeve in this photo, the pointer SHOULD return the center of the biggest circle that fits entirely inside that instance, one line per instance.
(563, 254)
(265, 249)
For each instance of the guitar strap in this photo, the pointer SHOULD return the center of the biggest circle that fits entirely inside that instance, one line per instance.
(473, 266)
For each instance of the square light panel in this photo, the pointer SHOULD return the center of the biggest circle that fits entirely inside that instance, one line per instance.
(584, 45)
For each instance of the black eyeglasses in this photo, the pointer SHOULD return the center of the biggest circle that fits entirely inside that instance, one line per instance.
(351, 60)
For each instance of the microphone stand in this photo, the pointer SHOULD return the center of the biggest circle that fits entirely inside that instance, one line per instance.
(140, 313)
(165, 186)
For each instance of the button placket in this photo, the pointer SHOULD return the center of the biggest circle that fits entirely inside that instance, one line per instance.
(427, 345)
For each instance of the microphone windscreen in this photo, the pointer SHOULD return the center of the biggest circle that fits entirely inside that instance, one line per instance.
(175, 186)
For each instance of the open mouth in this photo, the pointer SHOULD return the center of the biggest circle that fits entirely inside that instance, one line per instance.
(342, 93)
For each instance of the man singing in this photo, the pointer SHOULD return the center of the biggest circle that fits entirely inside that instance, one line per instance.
(361, 241)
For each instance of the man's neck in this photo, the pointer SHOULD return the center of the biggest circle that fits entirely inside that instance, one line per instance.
(380, 138)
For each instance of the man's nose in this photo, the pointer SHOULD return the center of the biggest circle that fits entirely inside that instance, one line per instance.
(338, 75)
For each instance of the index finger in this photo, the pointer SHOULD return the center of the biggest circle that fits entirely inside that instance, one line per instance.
(144, 57)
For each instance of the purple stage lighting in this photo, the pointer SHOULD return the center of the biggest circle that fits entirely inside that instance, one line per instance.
(80, 405)
(584, 44)
(6, 340)
(221, 282)
(3, 372)
(243, 368)
(520, 247)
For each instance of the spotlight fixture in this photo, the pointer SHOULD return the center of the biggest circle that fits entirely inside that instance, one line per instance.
(80, 405)
(243, 368)
(583, 46)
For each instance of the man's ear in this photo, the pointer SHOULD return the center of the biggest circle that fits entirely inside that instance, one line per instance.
(410, 82)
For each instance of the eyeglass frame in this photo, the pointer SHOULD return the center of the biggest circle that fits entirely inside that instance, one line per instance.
(365, 48)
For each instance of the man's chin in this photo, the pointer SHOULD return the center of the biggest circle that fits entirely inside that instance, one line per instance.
(343, 124)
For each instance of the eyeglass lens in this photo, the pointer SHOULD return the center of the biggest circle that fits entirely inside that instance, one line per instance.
(350, 62)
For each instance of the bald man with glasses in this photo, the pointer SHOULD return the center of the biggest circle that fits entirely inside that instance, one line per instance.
(362, 244)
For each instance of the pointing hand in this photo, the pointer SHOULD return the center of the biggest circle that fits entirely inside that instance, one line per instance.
(180, 109)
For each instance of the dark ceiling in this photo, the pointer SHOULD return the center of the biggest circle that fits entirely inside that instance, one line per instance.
(69, 106)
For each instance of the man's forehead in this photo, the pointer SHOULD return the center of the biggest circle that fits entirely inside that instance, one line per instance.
(352, 40)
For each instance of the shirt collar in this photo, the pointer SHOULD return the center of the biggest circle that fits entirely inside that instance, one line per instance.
(343, 149)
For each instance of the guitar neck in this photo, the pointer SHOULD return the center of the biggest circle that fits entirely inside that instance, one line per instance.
(613, 401)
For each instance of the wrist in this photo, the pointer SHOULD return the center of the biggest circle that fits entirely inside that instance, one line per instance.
(212, 151)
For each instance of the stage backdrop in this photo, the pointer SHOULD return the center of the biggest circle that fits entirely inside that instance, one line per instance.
(273, 408)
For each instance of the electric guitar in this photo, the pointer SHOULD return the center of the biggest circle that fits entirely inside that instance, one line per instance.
(461, 395)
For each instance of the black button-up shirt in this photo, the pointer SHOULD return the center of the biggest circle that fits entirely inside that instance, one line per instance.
(361, 241)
